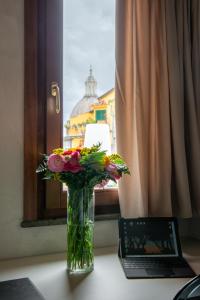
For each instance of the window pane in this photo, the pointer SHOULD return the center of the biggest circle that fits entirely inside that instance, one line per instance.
(101, 115)
(89, 73)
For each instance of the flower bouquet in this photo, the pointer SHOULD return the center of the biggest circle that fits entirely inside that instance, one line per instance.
(81, 169)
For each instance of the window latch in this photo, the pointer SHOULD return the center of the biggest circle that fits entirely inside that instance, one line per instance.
(55, 92)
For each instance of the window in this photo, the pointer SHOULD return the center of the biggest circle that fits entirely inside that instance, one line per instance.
(101, 115)
(43, 127)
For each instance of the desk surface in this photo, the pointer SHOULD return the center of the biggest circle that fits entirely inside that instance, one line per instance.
(106, 282)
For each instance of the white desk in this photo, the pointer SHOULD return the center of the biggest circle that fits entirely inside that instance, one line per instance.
(106, 282)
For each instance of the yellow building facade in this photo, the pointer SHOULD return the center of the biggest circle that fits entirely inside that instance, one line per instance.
(90, 109)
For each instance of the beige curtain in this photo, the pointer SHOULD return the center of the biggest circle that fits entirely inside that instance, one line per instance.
(158, 106)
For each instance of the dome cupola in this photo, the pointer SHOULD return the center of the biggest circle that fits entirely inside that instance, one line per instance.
(90, 85)
(90, 97)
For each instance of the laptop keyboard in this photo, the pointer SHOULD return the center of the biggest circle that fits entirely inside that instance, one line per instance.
(152, 263)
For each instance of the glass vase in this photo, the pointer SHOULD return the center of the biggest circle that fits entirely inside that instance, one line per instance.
(80, 228)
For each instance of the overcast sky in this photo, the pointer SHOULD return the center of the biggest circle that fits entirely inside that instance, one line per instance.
(89, 39)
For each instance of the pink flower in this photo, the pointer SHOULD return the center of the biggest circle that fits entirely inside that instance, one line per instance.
(75, 155)
(73, 165)
(102, 184)
(112, 170)
(56, 163)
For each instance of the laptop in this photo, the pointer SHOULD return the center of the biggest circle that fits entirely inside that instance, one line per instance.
(150, 248)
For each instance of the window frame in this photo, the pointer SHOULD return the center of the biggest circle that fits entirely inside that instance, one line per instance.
(35, 125)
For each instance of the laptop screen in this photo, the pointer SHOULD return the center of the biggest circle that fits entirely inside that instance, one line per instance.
(149, 238)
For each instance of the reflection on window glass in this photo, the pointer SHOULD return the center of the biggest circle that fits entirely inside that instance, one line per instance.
(88, 73)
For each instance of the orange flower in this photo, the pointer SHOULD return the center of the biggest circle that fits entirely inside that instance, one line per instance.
(106, 161)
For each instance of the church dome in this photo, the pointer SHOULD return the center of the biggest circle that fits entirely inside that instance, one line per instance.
(83, 106)
(90, 97)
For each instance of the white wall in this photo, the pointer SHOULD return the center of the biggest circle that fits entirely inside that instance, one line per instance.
(14, 240)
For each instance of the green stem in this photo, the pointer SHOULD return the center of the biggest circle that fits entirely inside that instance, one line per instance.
(80, 227)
